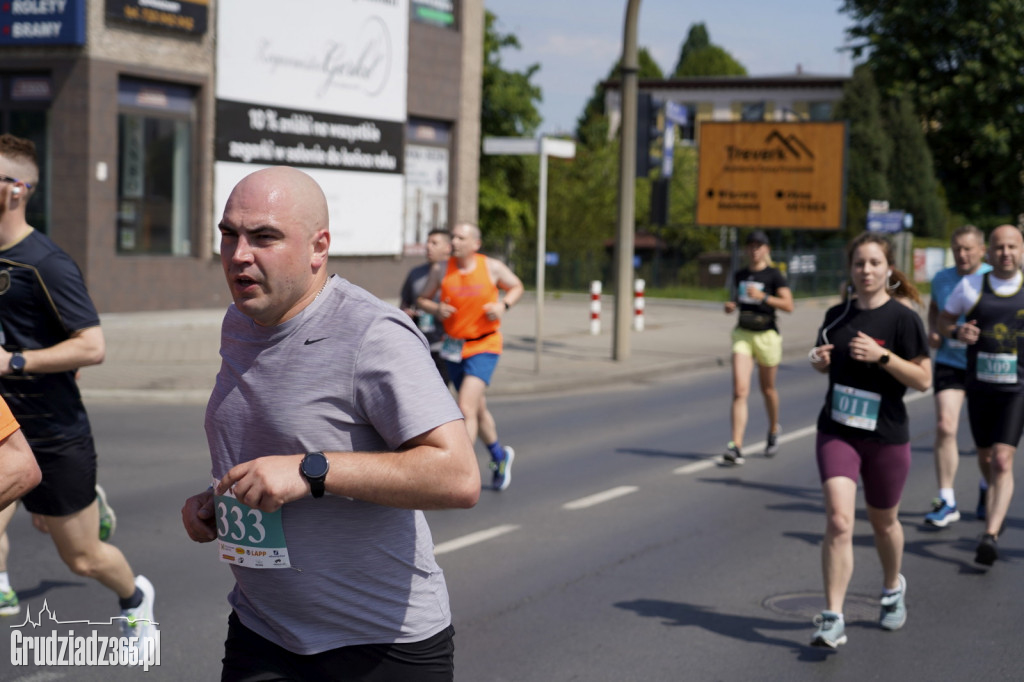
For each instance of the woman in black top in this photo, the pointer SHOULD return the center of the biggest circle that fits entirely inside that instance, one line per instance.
(758, 291)
(873, 348)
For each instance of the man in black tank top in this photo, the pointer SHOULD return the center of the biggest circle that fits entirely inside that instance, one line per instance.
(993, 305)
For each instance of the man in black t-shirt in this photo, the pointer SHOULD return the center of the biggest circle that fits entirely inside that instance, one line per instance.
(50, 330)
(439, 248)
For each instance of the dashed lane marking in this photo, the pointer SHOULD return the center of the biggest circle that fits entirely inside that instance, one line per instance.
(598, 498)
(615, 493)
(474, 538)
(715, 460)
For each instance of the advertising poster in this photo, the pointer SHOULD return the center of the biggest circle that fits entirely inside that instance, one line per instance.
(320, 85)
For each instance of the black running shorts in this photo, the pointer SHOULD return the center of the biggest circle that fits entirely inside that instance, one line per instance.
(996, 417)
(946, 377)
(248, 657)
(69, 477)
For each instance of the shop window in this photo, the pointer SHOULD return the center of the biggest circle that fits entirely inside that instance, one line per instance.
(820, 111)
(156, 124)
(427, 160)
(752, 111)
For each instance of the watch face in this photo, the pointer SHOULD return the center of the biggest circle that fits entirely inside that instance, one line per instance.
(17, 362)
(314, 465)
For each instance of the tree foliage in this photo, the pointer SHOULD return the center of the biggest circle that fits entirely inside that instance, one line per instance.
(960, 62)
(710, 61)
(696, 39)
(869, 148)
(888, 157)
(509, 109)
(911, 173)
(699, 57)
(592, 125)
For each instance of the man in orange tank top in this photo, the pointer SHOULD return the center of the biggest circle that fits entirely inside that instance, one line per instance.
(471, 312)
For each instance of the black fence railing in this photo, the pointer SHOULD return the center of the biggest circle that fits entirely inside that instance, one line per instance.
(810, 272)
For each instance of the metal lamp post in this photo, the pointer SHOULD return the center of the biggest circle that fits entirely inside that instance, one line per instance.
(543, 147)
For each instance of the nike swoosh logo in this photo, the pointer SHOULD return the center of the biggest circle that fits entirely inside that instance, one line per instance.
(309, 341)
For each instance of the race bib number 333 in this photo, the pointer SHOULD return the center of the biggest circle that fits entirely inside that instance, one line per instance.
(249, 537)
(854, 407)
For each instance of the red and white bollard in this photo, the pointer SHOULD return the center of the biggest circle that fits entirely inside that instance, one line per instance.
(595, 307)
(638, 305)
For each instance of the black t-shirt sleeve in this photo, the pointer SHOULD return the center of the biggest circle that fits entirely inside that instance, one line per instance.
(407, 298)
(66, 289)
(778, 280)
(911, 340)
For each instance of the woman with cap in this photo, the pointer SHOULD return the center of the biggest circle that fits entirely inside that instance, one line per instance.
(758, 291)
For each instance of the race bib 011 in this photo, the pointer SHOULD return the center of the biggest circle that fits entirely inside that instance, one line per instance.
(855, 407)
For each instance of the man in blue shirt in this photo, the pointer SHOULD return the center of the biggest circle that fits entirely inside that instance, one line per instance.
(968, 245)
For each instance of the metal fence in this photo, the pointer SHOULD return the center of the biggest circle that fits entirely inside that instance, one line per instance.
(810, 272)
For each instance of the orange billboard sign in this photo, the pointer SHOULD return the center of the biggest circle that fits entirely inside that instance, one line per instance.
(774, 175)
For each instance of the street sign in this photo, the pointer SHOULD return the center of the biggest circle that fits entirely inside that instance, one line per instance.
(890, 221)
(676, 113)
(772, 174)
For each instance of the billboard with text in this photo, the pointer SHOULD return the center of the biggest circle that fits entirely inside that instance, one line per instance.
(772, 175)
(320, 85)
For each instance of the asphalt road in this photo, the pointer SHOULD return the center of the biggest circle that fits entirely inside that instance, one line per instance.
(620, 552)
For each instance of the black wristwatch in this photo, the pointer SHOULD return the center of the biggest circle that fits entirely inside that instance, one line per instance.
(314, 467)
(17, 365)
(884, 360)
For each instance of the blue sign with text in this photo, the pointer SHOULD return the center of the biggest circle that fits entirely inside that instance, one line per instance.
(890, 221)
(42, 22)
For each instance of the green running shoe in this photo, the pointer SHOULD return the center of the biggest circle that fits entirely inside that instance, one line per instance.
(108, 519)
(9, 603)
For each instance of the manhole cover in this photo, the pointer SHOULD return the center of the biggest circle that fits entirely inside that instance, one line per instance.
(807, 605)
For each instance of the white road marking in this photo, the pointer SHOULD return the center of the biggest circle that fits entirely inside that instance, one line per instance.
(474, 538)
(709, 462)
(615, 493)
(698, 466)
(598, 498)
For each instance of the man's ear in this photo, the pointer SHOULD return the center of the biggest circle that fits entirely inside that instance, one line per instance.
(321, 246)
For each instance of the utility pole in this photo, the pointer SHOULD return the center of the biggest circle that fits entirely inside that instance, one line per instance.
(627, 184)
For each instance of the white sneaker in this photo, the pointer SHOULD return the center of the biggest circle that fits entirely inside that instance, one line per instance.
(138, 622)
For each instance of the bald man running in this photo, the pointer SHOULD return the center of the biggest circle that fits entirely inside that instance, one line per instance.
(993, 305)
(329, 428)
(471, 312)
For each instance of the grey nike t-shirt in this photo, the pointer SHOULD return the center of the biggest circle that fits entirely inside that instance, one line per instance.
(349, 373)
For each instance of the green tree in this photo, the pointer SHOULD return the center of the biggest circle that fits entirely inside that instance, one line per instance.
(869, 147)
(960, 63)
(696, 39)
(911, 173)
(710, 61)
(699, 57)
(592, 125)
(509, 109)
(582, 209)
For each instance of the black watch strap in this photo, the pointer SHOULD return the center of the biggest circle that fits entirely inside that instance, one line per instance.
(17, 364)
(314, 469)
